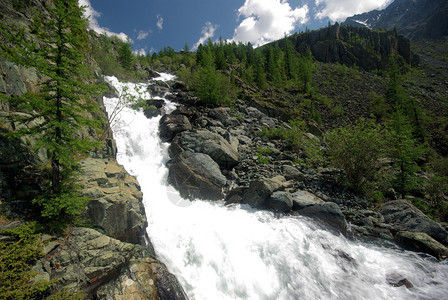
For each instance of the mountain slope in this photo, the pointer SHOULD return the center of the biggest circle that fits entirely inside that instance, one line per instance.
(415, 19)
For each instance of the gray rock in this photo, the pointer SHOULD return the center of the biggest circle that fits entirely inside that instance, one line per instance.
(172, 124)
(327, 212)
(196, 175)
(406, 217)
(212, 144)
(116, 205)
(280, 201)
(221, 114)
(302, 199)
(422, 242)
(142, 280)
(292, 173)
(104, 267)
(261, 189)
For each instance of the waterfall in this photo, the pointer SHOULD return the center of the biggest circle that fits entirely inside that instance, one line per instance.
(235, 252)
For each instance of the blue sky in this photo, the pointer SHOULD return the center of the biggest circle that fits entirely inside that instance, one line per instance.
(153, 24)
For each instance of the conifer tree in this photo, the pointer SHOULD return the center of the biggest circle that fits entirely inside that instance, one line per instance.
(56, 113)
(404, 152)
(125, 55)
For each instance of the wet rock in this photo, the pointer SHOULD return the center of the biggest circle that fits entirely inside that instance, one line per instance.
(329, 213)
(280, 201)
(155, 108)
(235, 195)
(196, 175)
(420, 241)
(170, 125)
(396, 280)
(406, 217)
(115, 204)
(158, 89)
(212, 144)
(261, 189)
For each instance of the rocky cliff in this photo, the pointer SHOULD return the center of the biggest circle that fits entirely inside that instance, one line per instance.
(369, 50)
(421, 19)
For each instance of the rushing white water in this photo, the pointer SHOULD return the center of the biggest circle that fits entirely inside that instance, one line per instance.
(220, 252)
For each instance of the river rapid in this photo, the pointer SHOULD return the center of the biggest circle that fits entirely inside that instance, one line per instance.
(235, 252)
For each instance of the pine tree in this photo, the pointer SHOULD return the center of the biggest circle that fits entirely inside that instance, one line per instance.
(404, 152)
(305, 66)
(125, 55)
(57, 112)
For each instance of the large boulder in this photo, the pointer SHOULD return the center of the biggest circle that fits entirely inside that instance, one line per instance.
(420, 241)
(329, 213)
(154, 107)
(302, 199)
(292, 173)
(106, 268)
(212, 144)
(196, 175)
(280, 201)
(170, 125)
(404, 216)
(116, 200)
(261, 189)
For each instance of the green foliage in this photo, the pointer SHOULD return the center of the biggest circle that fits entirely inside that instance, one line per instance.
(17, 258)
(356, 150)
(293, 134)
(210, 86)
(337, 111)
(305, 67)
(379, 106)
(18, 5)
(261, 159)
(125, 55)
(314, 156)
(264, 151)
(58, 111)
(404, 151)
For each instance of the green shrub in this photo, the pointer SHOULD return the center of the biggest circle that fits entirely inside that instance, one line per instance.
(293, 134)
(261, 159)
(356, 150)
(17, 258)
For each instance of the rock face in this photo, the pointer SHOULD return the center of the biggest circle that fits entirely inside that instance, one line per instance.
(406, 217)
(212, 144)
(106, 268)
(327, 212)
(420, 241)
(423, 19)
(339, 44)
(196, 175)
(116, 205)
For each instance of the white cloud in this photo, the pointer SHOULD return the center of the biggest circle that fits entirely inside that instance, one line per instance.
(92, 15)
(339, 10)
(140, 52)
(208, 31)
(143, 34)
(159, 22)
(267, 20)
